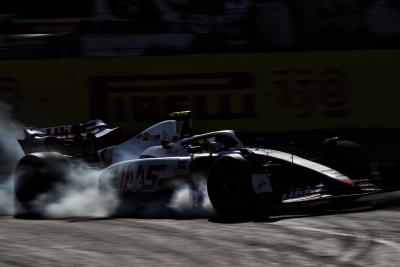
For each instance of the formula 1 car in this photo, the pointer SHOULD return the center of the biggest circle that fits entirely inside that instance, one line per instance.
(241, 181)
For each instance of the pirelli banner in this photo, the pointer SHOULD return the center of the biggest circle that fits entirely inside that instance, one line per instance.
(249, 92)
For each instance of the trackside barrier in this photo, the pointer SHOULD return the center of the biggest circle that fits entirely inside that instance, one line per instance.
(249, 92)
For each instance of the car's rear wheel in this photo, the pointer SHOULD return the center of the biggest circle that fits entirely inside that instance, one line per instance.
(35, 176)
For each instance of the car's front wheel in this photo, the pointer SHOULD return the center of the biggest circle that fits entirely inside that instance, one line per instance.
(232, 191)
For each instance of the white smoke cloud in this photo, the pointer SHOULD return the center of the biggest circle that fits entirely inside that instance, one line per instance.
(10, 153)
(79, 196)
(7, 196)
(192, 200)
(10, 131)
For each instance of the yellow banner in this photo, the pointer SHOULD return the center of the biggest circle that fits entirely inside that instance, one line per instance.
(248, 92)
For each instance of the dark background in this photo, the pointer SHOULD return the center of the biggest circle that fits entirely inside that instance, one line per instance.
(73, 29)
(209, 26)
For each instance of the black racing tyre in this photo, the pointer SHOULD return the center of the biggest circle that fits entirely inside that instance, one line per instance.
(347, 157)
(229, 187)
(35, 175)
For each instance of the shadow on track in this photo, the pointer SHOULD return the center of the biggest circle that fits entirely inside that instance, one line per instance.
(299, 211)
(375, 202)
(369, 203)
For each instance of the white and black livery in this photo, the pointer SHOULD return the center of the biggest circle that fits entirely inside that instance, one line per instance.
(241, 181)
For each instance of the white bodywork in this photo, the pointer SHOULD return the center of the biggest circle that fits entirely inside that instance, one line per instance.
(148, 144)
(155, 159)
(147, 175)
(305, 163)
(134, 147)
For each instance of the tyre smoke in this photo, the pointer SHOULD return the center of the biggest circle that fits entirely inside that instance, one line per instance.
(192, 199)
(10, 131)
(78, 196)
(10, 153)
(188, 200)
(7, 196)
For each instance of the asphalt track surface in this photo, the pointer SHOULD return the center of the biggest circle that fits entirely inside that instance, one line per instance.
(357, 235)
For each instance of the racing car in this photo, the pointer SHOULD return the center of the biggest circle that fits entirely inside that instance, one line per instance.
(241, 180)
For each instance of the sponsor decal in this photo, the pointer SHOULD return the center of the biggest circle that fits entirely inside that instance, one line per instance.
(261, 183)
(224, 95)
(249, 92)
(129, 178)
(305, 191)
(310, 93)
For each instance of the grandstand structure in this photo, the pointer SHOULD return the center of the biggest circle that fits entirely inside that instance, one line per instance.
(103, 28)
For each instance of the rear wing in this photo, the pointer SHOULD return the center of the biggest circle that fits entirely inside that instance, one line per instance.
(79, 140)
